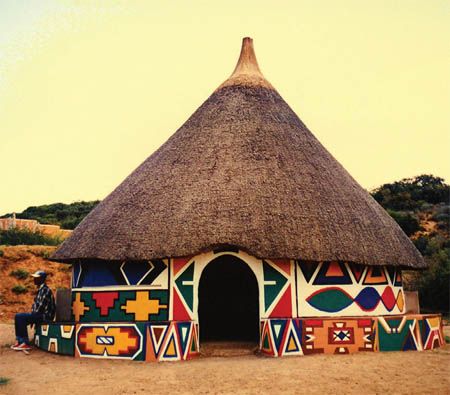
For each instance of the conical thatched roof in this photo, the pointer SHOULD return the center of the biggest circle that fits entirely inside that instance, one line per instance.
(242, 171)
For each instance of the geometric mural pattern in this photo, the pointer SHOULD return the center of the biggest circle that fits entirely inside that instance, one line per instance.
(182, 290)
(104, 273)
(431, 332)
(297, 336)
(278, 281)
(113, 341)
(347, 289)
(120, 306)
(57, 338)
(279, 337)
(399, 334)
(334, 299)
(146, 310)
(338, 336)
(174, 341)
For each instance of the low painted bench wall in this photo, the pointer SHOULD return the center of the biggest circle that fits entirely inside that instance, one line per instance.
(344, 335)
(179, 340)
(164, 341)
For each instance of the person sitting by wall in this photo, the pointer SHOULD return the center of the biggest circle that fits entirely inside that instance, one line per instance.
(43, 310)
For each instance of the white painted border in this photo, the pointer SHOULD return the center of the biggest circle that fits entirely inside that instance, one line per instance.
(152, 266)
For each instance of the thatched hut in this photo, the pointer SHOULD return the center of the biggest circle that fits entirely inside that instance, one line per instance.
(242, 226)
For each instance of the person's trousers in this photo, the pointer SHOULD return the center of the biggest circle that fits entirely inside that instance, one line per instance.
(21, 321)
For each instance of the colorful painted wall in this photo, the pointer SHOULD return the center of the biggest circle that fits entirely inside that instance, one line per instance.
(148, 310)
(55, 337)
(346, 289)
(284, 337)
(161, 290)
(177, 341)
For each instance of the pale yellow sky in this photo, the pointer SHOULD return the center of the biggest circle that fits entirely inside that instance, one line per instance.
(89, 89)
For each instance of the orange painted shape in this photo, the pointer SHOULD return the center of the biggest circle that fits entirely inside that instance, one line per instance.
(142, 307)
(124, 341)
(371, 279)
(150, 355)
(400, 300)
(292, 346)
(78, 307)
(334, 270)
(170, 350)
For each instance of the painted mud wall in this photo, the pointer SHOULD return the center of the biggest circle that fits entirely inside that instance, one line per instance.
(346, 289)
(148, 310)
(167, 289)
(291, 288)
(175, 341)
(284, 337)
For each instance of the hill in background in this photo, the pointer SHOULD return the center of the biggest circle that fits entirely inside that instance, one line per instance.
(68, 216)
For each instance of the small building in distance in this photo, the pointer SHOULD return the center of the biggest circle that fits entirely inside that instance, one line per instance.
(34, 226)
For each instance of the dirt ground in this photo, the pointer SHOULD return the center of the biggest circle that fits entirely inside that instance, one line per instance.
(364, 373)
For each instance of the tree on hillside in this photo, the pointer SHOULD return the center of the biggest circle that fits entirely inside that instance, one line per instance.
(68, 216)
(411, 193)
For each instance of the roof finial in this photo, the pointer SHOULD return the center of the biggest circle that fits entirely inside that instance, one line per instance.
(247, 71)
(247, 63)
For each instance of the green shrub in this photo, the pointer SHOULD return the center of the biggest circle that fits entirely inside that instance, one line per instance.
(43, 253)
(21, 274)
(433, 283)
(19, 289)
(16, 236)
(2, 253)
(4, 380)
(407, 221)
(68, 216)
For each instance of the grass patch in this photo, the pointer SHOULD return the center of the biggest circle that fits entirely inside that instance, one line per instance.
(21, 274)
(19, 289)
(16, 236)
(4, 380)
(45, 254)
(447, 339)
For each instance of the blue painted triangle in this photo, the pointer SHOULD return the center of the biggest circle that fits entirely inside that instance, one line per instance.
(183, 331)
(278, 327)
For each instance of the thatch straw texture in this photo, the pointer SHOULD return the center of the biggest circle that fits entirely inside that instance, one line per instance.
(242, 171)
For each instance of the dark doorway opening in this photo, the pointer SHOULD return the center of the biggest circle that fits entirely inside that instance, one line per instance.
(228, 301)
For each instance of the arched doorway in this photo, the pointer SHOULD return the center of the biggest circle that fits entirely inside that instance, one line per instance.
(228, 301)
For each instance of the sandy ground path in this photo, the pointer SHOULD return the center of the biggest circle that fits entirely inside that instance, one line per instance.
(363, 373)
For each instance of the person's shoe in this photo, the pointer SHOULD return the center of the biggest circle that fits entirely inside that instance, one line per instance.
(22, 347)
(15, 345)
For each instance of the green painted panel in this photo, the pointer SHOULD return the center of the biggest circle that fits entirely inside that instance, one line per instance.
(111, 306)
(401, 340)
(277, 282)
(64, 345)
(187, 290)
